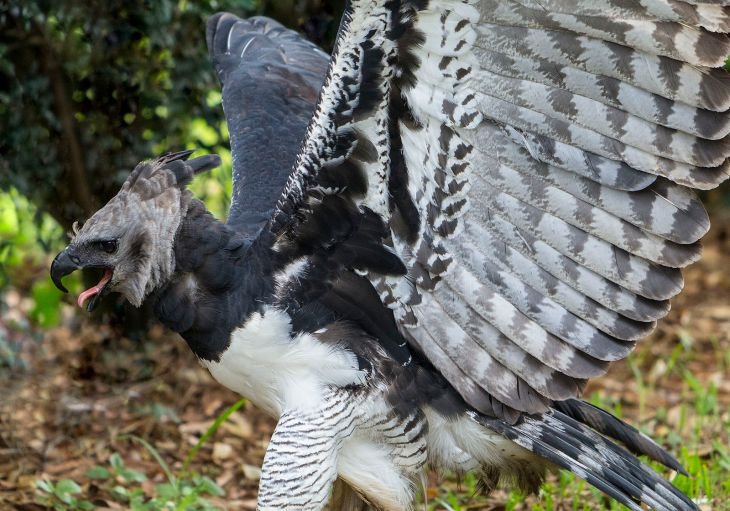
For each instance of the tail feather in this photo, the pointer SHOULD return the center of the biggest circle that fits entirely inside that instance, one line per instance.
(572, 445)
(611, 426)
(663, 492)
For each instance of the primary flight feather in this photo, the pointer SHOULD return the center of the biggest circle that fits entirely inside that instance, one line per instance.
(437, 235)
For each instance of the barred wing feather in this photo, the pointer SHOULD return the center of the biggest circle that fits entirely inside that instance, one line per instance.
(515, 178)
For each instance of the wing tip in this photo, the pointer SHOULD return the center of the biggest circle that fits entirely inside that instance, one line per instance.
(220, 21)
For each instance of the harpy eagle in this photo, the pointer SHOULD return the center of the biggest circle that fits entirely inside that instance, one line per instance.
(437, 235)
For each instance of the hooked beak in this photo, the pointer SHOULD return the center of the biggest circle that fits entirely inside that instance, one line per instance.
(65, 264)
(62, 265)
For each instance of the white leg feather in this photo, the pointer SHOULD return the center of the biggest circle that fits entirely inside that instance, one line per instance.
(301, 461)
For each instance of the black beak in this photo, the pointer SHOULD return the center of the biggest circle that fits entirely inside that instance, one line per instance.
(62, 265)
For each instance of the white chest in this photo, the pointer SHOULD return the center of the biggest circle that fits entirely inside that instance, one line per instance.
(278, 370)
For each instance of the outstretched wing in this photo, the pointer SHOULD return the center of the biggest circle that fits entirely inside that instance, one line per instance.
(271, 78)
(514, 177)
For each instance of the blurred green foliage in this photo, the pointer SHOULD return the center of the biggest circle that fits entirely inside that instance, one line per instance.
(26, 237)
(92, 88)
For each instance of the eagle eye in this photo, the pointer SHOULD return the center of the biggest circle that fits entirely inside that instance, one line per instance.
(108, 246)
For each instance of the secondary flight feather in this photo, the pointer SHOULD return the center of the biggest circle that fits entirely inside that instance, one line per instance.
(437, 235)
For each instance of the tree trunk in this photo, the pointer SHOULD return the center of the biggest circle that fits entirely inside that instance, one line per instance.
(69, 148)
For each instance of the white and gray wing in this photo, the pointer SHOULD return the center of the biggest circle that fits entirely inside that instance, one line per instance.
(526, 170)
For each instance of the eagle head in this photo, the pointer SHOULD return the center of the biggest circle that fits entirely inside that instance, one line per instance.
(131, 239)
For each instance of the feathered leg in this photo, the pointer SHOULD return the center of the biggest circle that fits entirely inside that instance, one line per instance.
(301, 461)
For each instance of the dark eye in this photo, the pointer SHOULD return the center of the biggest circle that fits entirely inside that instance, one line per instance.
(108, 246)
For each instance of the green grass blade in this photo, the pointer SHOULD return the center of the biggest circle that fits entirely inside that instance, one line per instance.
(156, 455)
(208, 433)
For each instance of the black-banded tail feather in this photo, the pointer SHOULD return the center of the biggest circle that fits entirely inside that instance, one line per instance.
(573, 446)
(613, 427)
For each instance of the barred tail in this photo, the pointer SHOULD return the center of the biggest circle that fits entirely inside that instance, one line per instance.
(613, 427)
(573, 444)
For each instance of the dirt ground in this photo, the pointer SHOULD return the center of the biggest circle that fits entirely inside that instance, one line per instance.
(83, 388)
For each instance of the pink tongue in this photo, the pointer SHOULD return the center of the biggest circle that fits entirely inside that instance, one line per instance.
(94, 290)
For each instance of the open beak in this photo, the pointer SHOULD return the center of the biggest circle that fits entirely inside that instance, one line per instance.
(95, 293)
(62, 265)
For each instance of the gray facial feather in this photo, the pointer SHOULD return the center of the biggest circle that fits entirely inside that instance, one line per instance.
(144, 217)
